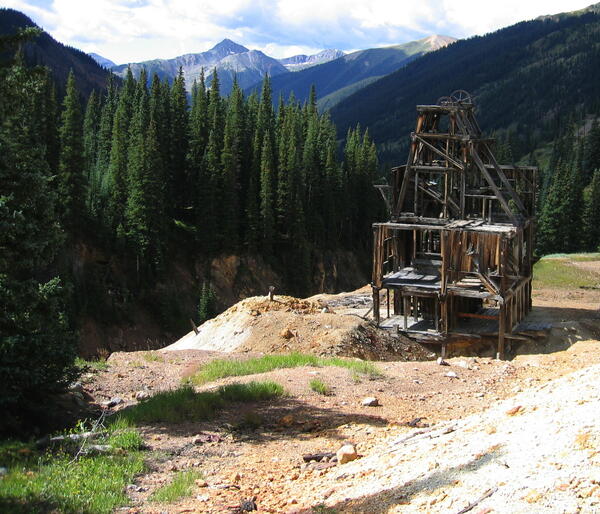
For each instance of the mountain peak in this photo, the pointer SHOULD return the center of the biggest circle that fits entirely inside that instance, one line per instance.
(436, 41)
(228, 47)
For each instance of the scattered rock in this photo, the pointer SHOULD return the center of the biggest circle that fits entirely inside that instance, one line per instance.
(346, 453)
(235, 477)
(201, 483)
(142, 395)
(442, 362)
(3, 471)
(76, 387)
(287, 421)
(514, 410)
(370, 401)
(113, 402)
(207, 438)
(451, 374)
(286, 333)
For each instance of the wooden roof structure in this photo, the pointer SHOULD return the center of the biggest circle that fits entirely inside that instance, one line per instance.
(456, 255)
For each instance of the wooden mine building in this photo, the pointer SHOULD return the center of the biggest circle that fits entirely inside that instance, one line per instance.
(454, 262)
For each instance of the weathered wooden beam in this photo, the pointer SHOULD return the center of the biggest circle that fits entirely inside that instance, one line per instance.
(505, 207)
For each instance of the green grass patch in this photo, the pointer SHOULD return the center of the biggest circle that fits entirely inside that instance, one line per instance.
(221, 368)
(185, 404)
(180, 487)
(57, 483)
(93, 365)
(318, 386)
(558, 271)
(151, 357)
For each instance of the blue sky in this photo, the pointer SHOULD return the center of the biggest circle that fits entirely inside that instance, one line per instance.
(135, 30)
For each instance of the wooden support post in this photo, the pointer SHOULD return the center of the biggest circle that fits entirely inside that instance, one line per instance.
(388, 302)
(501, 330)
(415, 303)
(376, 313)
(405, 302)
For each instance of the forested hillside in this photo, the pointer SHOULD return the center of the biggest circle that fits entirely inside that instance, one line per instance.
(60, 59)
(537, 88)
(528, 80)
(332, 79)
(150, 184)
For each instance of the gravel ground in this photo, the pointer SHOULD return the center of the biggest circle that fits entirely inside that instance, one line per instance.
(535, 452)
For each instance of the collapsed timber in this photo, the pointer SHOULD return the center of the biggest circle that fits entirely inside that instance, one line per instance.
(455, 259)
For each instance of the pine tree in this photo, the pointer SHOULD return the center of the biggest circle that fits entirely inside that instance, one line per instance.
(231, 165)
(91, 125)
(267, 183)
(591, 157)
(37, 345)
(211, 166)
(135, 216)
(180, 181)
(591, 215)
(71, 164)
(206, 305)
(99, 182)
(117, 170)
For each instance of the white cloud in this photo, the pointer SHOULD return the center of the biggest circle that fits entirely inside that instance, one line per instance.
(134, 30)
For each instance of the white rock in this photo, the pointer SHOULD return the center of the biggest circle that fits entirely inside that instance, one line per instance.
(370, 401)
(346, 453)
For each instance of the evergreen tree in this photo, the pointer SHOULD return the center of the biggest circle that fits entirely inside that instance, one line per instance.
(91, 125)
(211, 166)
(180, 182)
(206, 305)
(267, 181)
(591, 216)
(99, 182)
(231, 166)
(71, 164)
(117, 170)
(37, 345)
(591, 157)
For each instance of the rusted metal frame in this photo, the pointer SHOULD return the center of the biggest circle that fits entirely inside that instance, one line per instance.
(492, 184)
(441, 153)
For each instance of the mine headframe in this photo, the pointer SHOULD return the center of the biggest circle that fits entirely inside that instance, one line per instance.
(455, 258)
(451, 172)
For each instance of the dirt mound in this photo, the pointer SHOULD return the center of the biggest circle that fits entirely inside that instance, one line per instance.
(321, 325)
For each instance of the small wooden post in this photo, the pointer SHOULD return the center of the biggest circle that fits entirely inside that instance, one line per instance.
(376, 313)
(194, 327)
(501, 329)
(271, 293)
